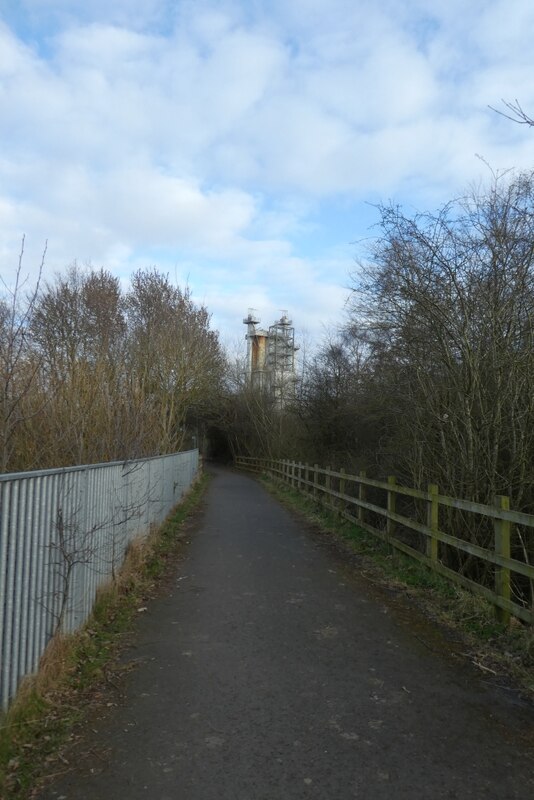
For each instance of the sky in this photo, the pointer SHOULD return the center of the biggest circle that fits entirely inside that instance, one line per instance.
(242, 146)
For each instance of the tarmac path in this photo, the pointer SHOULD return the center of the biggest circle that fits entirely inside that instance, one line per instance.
(269, 671)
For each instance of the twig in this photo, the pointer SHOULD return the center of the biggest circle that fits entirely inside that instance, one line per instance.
(486, 669)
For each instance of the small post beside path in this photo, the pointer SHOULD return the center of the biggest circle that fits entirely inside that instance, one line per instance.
(362, 496)
(432, 521)
(502, 548)
(327, 486)
(341, 502)
(391, 503)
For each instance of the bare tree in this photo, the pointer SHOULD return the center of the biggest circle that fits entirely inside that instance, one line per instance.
(447, 305)
(330, 401)
(78, 332)
(121, 376)
(18, 364)
(175, 357)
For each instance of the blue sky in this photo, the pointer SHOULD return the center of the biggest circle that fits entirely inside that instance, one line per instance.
(240, 146)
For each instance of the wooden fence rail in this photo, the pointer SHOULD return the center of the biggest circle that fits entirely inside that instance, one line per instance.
(335, 487)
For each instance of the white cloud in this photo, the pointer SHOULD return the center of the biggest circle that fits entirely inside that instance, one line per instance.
(207, 136)
(145, 206)
(39, 15)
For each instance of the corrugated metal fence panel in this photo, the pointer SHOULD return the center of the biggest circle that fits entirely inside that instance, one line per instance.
(64, 533)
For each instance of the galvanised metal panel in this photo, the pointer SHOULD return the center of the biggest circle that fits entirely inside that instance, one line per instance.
(63, 534)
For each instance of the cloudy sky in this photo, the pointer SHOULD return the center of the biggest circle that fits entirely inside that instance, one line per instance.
(240, 145)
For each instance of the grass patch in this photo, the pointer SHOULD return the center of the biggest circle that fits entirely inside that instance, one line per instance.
(77, 671)
(507, 652)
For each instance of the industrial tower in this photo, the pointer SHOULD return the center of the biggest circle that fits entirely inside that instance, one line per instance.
(271, 357)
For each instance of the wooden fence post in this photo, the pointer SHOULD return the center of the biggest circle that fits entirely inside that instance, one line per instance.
(362, 495)
(502, 548)
(391, 503)
(327, 486)
(315, 479)
(341, 503)
(432, 521)
(306, 477)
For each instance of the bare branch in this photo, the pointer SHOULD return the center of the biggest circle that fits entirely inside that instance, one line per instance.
(517, 114)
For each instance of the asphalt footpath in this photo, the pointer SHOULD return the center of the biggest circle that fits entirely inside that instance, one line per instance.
(270, 671)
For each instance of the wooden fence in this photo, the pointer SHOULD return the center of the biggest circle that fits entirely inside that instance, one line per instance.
(348, 494)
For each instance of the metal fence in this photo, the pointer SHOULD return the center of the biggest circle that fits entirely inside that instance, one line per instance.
(64, 533)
